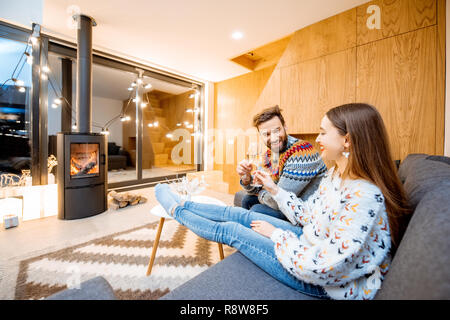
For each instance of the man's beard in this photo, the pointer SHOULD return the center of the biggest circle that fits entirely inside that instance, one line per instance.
(279, 149)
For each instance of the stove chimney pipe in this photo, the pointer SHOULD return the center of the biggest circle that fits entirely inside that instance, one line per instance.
(84, 73)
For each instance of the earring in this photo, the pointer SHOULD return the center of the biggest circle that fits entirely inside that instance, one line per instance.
(346, 154)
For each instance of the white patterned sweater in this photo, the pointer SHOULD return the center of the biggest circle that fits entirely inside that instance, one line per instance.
(346, 239)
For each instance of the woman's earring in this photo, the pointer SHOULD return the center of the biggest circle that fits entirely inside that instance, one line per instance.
(346, 154)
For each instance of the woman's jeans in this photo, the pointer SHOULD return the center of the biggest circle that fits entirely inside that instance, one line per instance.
(251, 202)
(231, 226)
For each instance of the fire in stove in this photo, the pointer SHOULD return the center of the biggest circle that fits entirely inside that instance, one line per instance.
(84, 160)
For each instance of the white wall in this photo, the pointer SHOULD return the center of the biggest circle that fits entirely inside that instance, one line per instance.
(103, 110)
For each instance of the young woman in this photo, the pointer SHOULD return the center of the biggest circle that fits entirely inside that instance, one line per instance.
(339, 242)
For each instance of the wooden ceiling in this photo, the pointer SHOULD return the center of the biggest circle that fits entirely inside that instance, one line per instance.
(263, 57)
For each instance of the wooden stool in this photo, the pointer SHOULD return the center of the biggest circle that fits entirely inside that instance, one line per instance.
(160, 212)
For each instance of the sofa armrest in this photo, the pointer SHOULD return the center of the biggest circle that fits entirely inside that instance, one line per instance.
(94, 289)
(238, 198)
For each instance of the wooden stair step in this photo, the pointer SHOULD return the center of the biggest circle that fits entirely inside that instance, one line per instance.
(161, 159)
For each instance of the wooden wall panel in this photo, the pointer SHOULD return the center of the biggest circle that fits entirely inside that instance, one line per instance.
(270, 95)
(328, 36)
(311, 88)
(397, 17)
(441, 69)
(400, 69)
(397, 76)
(235, 105)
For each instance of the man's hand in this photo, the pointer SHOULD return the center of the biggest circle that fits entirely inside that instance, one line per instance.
(262, 227)
(266, 181)
(244, 169)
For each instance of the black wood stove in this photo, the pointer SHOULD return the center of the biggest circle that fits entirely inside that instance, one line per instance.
(82, 157)
(81, 175)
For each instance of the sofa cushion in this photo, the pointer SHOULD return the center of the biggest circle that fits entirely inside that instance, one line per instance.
(420, 269)
(420, 176)
(94, 289)
(235, 278)
(238, 198)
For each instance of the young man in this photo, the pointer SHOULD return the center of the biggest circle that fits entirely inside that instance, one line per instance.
(294, 164)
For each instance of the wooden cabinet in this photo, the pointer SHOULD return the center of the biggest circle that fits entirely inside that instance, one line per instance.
(328, 36)
(309, 89)
(396, 17)
(397, 76)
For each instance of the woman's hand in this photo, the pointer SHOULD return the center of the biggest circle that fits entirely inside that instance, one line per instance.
(262, 227)
(266, 181)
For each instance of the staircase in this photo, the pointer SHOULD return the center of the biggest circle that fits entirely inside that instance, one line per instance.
(162, 147)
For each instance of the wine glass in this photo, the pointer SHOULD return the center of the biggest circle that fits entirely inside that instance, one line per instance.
(255, 159)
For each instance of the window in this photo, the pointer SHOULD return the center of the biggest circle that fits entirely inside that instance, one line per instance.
(15, 81)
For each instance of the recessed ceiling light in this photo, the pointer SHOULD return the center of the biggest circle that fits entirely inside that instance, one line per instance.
(237, 35)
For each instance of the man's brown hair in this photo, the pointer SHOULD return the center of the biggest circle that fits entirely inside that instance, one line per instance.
(268, 114)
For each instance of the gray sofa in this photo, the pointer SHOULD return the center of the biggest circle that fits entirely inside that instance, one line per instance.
(419, 269)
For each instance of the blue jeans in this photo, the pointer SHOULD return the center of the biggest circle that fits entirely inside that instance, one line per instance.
(231, 226)
(251, 202)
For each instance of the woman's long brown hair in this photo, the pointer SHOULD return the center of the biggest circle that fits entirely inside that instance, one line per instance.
(371, 159)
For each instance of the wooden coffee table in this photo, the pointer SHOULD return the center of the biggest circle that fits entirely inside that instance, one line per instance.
(160, 212)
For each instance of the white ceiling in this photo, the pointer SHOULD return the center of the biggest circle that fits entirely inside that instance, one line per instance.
(193, 37)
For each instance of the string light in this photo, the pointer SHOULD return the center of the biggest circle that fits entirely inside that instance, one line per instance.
(143, 104)
(147, 86)
(22, 89)
(29, 58)
(46, 69)
(105, 131)
(18, 83)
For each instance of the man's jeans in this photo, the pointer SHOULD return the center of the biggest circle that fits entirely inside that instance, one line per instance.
(251, 202)
(231, 226)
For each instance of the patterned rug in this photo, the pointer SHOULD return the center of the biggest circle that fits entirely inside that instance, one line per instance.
(122, 259)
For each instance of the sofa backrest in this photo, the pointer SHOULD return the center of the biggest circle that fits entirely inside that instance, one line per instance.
(420, 268)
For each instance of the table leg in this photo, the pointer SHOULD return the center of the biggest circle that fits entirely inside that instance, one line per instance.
(155, 246)
(220, 251)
